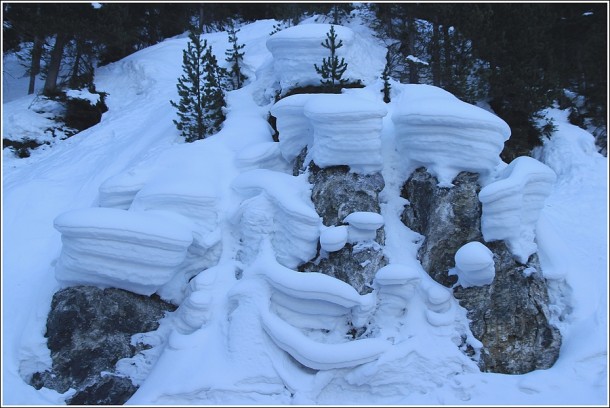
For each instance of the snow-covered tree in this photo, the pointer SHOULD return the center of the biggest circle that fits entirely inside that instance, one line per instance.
(201, 96)
(236, 59)
(332, 69)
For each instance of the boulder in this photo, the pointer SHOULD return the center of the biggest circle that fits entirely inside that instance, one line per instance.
(511, 317)
(89, 329)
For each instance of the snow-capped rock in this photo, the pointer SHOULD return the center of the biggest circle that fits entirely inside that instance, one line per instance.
(333, 238)
(136, 251)
(363, 225)
(512, 205)
(346, 131)
(446, 135)
(474, 265)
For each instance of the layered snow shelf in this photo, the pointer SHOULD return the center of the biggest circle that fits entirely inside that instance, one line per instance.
(474, 265)
(119, 190)
(195, 201)
(396, 284)
(296, 49)
(291, 220)
(363, 225)
(512, 205)
(265, 155)
(320, 356)
(346, 131)
(135, 251)
(439, 131)
(292, 124)
(313, 300)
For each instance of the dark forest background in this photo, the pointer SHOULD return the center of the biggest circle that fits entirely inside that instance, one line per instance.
(518, 57)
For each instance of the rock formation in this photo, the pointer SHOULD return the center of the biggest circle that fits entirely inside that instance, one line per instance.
(509, 316)
(89, 330)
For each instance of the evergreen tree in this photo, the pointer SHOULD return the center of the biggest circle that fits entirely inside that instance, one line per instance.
(191, 105)
(332, 69)
(385, 75)
(213, 94)
(235, 58)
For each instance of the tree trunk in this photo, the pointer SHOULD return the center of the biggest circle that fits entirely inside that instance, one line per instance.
(435, 52)
(447, 77)
(50, 85)
(413, 69)
(74, 80)
(35, 63)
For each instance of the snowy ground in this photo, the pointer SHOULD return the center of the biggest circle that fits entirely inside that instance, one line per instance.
(242, 361)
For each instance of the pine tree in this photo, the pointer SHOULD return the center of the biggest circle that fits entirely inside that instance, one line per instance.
(332, 69)
(213, 94)
(235, 58)
(191, 105)
(385, 75)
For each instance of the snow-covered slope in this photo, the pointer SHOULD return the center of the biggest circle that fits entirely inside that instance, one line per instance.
(235, 341)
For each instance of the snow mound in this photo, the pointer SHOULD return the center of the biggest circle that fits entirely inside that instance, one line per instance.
(138, 252)
(294, 127)
(333, 238)
(265, 155)
(289, 217)
(346, 131)
(439, 131)
(512, 205)
(296, 49)
(474, 265)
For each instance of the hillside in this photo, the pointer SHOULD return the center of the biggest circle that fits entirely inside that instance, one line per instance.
(251, 327)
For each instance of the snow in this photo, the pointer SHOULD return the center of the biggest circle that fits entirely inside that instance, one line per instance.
(512, 205)
(296, 49)
(346, 131)
(363, 226)
(333, 238)
(437, 130)
(474, 265)
(293, 222)
(248, 322)
(138, 252)
(83, 94)
(294, 127)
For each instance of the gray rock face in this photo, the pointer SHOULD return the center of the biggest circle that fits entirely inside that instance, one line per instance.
(447, 217)
(511, 317)
(351, 265)
(337, 193)
(89, 330)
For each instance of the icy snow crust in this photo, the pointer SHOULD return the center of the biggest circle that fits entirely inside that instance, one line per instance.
(437, 130)
(249, 328)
